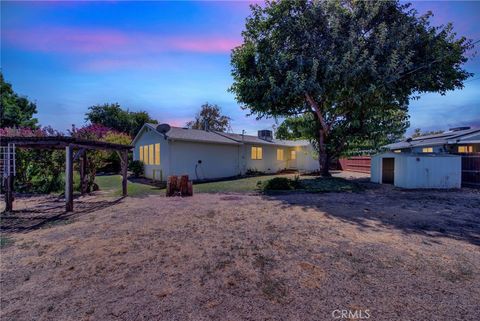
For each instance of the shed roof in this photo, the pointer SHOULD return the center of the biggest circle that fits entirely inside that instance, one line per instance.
(449, 137)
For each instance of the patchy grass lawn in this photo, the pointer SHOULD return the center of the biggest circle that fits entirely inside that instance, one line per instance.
(311, 184)
(112, 184)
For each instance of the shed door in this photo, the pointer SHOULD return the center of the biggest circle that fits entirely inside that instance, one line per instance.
(388, 170)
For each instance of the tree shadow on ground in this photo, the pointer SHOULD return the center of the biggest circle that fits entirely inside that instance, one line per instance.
(453, 214)
(47, 211)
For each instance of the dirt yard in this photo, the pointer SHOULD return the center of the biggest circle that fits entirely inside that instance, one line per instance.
(391, 254)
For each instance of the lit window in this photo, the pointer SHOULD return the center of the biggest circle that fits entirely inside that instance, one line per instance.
(397, 151)
(293, 155)
(150, 154)
(157, 154)
(257, 153)
(280, 154)
(141, 153)
(465, 149)
(145, 154)
(427, 150)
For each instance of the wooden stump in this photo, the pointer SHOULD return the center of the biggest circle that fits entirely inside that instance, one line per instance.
(171, 185)
(184, 185)
(179, 185)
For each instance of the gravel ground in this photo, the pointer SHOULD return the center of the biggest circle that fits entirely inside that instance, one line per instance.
(385, 253)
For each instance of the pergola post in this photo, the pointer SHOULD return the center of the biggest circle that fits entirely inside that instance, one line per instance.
(69, 178)
(124, 163)
(9, 193)
(83, 171)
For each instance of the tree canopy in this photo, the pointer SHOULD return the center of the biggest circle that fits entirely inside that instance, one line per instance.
(210, 117)
(15, 110)
(114, 117)
(351, 65)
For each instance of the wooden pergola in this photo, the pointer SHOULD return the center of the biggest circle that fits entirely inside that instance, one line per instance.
(75, 149)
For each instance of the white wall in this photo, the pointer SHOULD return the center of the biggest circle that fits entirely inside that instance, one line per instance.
(218, 160)
(150, 137)
(269, 162)
(307, 159)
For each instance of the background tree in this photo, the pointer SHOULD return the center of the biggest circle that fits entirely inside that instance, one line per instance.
(351, 65)
(15, 111)
(212, 116)
(114, 117)
(418, 132)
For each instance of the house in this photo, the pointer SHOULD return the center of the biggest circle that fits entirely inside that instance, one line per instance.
(446, 160)
(460, 140)
(202, 154)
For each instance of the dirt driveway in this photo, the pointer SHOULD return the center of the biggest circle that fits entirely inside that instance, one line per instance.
(385, 253)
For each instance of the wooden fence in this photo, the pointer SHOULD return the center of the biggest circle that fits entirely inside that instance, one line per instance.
(471, 170)
(355, 164)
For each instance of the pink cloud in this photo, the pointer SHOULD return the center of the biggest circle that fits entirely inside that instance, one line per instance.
(76, 40)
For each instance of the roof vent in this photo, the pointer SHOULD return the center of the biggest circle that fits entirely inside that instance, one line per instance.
(265, 135)
(456, 129)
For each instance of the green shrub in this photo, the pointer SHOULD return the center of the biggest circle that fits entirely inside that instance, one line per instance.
(281, 184)
(136, 167)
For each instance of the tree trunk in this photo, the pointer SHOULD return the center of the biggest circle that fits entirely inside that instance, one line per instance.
(323, 156)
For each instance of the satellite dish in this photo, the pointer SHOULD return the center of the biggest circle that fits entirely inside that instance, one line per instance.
(163, 128)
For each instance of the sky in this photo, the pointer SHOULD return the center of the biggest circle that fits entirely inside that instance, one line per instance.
(168, 58)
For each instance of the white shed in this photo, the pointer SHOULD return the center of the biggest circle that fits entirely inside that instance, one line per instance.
(408, 170)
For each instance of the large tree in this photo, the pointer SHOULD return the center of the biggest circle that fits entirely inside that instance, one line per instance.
(352, 65)
(113, 116)
(210, 118)
(15, 110)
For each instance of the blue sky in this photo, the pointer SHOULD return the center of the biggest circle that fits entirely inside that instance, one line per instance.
(168, 58)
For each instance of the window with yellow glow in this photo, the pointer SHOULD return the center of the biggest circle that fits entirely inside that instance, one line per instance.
(145, 154)
(280, 154)
(150, 155)
(157, 154)
(140, 152)
(257, 153)
(397, 151)
(427, 150)
(293, 155)
(465, 149)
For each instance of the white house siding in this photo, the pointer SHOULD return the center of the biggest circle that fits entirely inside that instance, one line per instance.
(307, 159)
(420, 171)
(269, 162)
(150, 137)
(218, 160)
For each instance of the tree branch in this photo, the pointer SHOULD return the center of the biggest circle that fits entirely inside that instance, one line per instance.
(317, 110)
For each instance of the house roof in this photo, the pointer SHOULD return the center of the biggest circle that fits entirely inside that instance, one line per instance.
(197, 135)
(250, 139)
(449, 137)
(188, 134)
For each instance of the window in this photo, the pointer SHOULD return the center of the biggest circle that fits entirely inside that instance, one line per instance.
(140, 153)
(157, 154)
(427, 150)
(465, 149)
(280, 154)
(150, 154)
(293, 155)
(397, 151)
(145, 154)
(257, 153)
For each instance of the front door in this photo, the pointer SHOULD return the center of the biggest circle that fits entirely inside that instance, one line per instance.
(388, 170)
